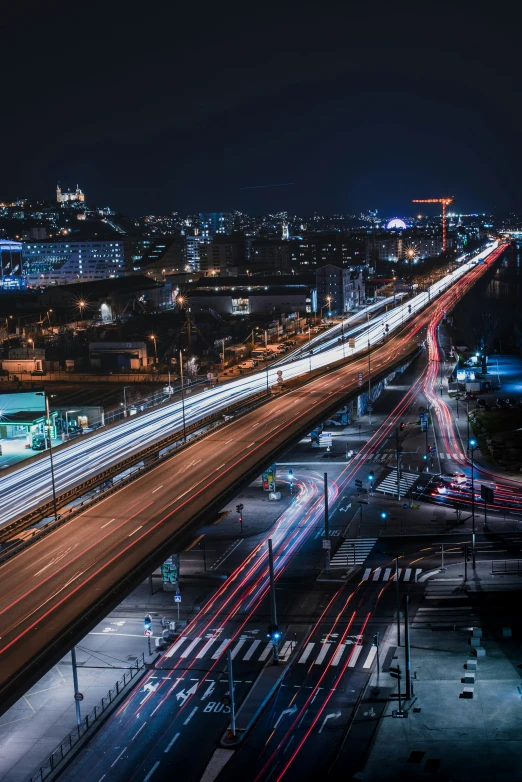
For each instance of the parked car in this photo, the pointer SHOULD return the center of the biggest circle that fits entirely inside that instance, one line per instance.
(482, 403)
(502, 403)
(38, 443)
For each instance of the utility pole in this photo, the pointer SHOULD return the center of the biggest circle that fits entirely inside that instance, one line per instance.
(77, 693)
(275, 634)
(369, 383)
(407, 647)
(51, 455)
(398, 454)
(182, 397)
(326, 520)
(398, 600)
(472, 449)
(231, 691)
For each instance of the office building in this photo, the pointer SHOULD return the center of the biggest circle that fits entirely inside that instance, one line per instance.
(63, 262)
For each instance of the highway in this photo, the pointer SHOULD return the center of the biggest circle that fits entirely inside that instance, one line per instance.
(56, 588)
(29, 486)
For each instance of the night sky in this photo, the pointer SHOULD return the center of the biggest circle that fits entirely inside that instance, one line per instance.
(176, 107)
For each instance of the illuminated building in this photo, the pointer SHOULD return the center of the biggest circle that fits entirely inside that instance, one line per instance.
(63, 198)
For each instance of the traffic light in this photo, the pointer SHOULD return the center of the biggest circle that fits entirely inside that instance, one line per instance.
(371, 477)
(291, 475)
(147, 622)
(383, 514)
(425, 457)
(467, 553)
(273, 633)
(376, 639)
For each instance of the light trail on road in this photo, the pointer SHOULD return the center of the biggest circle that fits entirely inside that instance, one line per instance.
(29, 486)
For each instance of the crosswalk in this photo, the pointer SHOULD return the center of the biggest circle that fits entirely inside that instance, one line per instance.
(389, 456)
(352, 552)
(389, 484)
(352, 650)
(446, 606)
(387, 573)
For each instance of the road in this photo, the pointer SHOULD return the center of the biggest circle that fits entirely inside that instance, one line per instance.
(57, 588)
(28, 486)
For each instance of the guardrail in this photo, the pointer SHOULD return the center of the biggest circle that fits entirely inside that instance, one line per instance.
(506, 566)
(151, 457)
(71, 740)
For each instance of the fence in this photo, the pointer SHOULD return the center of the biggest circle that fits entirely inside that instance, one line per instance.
(506, 566)
(65, 748)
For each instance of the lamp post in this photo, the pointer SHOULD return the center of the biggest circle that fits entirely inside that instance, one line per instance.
(153, 338)
(182, 397)
(369, 383)
(472, 446)
(309, 350)
(48, 418)
(81, 306)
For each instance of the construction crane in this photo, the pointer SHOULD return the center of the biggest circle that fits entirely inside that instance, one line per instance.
(445, 203)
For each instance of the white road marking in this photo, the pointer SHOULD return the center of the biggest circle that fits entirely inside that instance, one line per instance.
(139, 731)
(236, 648)
(322, 654)
(176, 646)
(332, 716)
(266, 652)
(371, 656)
(221, 648)
(190, 647)
(285, 711)
(119, 756)
(191, 715)
(202, 652)
(136, 530)
(106, 525)
(339, 653)
(251, 650)
(151, 772)
(367, 574)
(354, 656)
(169, 745)
(306, 653)
(159, 487)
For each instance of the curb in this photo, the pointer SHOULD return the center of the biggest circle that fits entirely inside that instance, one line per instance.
(227, 743)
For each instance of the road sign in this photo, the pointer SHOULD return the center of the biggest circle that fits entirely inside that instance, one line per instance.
(327, 544)
(405, 506)
(422, 409)
(177, 598)
(325, 440)
(370, 408)
(148, 632)
(78, 696)
(360, 379)
(351, 342)
(358, 482)
(226, 700)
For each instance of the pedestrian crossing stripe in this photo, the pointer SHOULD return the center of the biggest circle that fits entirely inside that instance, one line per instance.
(352, 552)
(405, 574)
(315, 653)
(389, 484)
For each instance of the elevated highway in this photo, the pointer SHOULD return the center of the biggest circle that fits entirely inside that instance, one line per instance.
(28, 487)
(56, 589)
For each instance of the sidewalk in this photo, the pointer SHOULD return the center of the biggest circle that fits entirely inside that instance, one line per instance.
(446, 735)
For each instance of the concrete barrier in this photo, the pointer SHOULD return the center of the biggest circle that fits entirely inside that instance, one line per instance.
(471, 665)
(479, 651)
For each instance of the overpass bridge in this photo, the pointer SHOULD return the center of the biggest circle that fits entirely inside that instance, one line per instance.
(54, 591)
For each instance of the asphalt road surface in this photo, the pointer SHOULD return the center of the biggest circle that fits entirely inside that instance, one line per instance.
(50, 588)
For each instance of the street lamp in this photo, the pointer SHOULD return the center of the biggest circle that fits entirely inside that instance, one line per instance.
(153, 338)
(48, 419)
(472, 446)
(81, 306)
